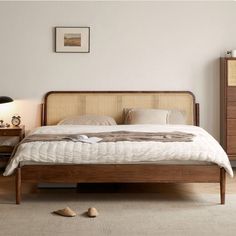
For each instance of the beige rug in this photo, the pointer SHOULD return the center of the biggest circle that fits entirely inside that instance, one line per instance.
(120, 214)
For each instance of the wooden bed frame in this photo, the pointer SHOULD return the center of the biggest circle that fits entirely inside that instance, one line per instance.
(58, 104)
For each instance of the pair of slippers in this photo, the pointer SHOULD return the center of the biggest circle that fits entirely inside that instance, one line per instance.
(92, 212)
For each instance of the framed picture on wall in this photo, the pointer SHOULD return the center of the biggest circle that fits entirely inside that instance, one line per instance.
(72, 39)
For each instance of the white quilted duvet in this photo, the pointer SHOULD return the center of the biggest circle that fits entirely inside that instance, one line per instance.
(203, 148)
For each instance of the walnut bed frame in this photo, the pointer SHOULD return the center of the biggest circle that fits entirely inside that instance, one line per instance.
(59, 104)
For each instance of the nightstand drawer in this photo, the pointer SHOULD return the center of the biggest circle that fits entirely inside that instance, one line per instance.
(10, 132)
(9, 138)
(6, 149)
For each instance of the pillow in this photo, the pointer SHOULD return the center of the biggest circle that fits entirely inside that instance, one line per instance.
(88, 120)
(153, 116)
(176, 117)
(145, 116)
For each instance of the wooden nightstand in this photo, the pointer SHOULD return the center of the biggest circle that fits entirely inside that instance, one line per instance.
(9, 138)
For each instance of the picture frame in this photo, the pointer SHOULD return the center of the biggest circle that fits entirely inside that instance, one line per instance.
(72, 39)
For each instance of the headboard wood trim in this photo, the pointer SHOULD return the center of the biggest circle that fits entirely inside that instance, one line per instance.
(195, 105)
(197, 114)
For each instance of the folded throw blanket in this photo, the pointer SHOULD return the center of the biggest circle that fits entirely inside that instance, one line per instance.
(115, 136)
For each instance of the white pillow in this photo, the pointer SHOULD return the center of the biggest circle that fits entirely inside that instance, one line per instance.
(145, 116)
(88, 120)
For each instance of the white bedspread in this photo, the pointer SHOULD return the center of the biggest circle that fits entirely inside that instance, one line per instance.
(203, 148)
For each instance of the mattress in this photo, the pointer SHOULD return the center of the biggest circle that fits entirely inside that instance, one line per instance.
(203, 148)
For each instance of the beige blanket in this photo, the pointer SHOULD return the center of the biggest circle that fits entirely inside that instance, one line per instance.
(115, 137)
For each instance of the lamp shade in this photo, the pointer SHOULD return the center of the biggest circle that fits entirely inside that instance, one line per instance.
(5, 99)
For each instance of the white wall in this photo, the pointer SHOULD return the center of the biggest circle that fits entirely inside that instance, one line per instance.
(134, 46)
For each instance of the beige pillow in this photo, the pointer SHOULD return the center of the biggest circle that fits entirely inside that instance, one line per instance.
(145, 116)
(88, 120)
(153, 116)
(177, 117)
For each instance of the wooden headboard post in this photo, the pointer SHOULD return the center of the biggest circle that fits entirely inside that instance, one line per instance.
(42, 115)
(59, 104)
(197, 114)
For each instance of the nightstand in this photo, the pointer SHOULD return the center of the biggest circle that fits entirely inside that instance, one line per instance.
(9, 138)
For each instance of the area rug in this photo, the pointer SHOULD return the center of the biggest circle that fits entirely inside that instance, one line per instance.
(121, 214)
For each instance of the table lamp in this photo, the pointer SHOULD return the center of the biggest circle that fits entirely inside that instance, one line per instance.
(4, 99)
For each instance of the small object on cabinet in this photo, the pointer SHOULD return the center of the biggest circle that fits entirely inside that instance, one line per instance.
(228, 54)
(2, 125)
(16, 120)
(233, 53)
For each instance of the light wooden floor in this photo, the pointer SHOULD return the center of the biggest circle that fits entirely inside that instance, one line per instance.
(7, 188)
(170, 209)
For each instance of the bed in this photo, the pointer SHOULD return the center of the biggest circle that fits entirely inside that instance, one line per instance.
(60, 104)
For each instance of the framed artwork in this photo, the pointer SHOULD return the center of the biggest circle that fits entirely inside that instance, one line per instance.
(73, 39)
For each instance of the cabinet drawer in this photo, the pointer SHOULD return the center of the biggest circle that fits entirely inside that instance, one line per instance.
(231, 144)
(231, 94)
(231, 110)
(10, 132)
(232, 157)
(6, 149)
(231, 127)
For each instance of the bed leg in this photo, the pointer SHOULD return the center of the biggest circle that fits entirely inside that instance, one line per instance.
(222, 186)
(77, 187)
(18, 185)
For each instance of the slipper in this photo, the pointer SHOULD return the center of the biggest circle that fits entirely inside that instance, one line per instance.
(92, 212)
(65, 212)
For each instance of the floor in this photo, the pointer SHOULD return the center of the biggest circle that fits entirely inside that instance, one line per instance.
(125, 209)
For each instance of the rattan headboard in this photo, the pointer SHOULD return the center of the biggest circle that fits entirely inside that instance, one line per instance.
(61, 104)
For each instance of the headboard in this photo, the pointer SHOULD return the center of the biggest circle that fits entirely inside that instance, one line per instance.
(60, 104)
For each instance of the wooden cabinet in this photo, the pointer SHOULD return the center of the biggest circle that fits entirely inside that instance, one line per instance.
(228, 105)
(5, 134)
